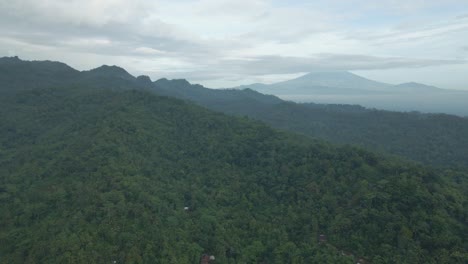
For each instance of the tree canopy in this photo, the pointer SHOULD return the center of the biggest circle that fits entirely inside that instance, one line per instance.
(99, 175)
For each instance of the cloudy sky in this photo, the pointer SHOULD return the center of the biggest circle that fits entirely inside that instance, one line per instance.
(224, 43)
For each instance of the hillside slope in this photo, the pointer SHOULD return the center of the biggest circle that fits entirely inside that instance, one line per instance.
(95, 175)
(434, 139)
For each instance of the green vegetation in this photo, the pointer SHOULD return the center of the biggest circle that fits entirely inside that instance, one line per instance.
(434, 139)
(93, 175)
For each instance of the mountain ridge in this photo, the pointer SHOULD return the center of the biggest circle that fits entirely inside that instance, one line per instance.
(418, 86)
(339, 79)
(336, 79)
(110, 70)
(383, 131)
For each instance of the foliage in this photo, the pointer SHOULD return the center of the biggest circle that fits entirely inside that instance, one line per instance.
(95, 175)
(433, 139)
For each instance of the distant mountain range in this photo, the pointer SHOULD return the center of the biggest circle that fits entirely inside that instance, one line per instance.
(341, 87)
(435, 139)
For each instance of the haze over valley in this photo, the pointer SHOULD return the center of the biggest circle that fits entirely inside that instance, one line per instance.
(341, 87)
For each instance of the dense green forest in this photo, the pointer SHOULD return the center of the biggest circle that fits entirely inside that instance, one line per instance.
(434, 139)
(91, 175)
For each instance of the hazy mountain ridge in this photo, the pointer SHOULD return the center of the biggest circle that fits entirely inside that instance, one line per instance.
(418, 86)
(336, 79)
(348, 88)
(340, 80)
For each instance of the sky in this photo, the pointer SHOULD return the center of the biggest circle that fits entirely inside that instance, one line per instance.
(225, 43)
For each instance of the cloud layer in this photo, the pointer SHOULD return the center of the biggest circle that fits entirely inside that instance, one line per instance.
(228, 42)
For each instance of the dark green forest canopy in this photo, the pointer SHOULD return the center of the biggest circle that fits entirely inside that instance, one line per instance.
(92, 175)
(433, 139)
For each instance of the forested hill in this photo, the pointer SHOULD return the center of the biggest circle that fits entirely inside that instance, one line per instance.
(434, 139)
(92, 175)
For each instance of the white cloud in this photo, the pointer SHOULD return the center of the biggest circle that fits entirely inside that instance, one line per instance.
(216, 41)
(147, 51)
(76, 12)
(418, 31)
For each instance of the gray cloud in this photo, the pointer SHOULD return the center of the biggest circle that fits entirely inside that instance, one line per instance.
(120, 37)
(265, 65)
(413, 32)
(284, 65)
(201, 40)
(39, 25)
